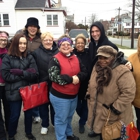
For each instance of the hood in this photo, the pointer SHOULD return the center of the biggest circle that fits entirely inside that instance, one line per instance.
(101, 28)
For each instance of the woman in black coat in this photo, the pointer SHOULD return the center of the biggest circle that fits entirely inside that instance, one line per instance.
(42, 56)
(18, 70)
(83, 54)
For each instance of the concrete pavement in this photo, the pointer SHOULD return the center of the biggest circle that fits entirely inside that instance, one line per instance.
(128, 52)
(51, 133)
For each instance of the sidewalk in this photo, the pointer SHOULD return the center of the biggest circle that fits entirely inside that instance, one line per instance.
(51, 133)
(128, 52)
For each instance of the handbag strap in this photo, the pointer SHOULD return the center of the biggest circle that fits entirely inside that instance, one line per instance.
(109, 111)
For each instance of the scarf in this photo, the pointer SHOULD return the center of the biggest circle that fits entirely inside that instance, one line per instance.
(2, 52)
(103, 78)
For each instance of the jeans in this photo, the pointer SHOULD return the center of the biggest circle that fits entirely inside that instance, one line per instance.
(35, 112)
(64, 110)
(15, 107)
(6, 107)
(44, 114)
(82, 111)
(137, 110)
(2, 130)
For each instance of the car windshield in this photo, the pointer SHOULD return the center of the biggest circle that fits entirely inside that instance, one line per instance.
(74, 33)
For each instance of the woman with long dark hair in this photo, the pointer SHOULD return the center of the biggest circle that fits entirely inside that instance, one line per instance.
(18, 70)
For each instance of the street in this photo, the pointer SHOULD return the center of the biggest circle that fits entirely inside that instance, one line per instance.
(51, 134)
(125, 42)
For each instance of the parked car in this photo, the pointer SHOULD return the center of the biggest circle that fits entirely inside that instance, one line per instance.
(74, 32)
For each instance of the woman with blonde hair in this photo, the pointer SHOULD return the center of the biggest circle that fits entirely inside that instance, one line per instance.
(42, 56)
(135, 61)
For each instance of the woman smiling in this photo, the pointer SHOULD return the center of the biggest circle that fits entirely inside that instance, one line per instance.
(111, 86)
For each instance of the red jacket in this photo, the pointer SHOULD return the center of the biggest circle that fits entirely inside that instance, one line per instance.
(70, 66)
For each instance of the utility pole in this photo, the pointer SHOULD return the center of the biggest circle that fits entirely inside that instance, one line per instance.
(132, 29)
(119, 20)
(85, 21)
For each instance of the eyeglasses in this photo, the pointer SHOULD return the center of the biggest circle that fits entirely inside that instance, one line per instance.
(48, 40)
(65, 45)
(3, 40)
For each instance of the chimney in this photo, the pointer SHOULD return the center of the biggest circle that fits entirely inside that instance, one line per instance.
(59, 4)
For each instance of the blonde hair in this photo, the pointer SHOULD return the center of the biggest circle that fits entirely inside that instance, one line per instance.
(43, 35)
(80, 36)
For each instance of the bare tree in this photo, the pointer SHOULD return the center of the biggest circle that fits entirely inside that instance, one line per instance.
(71, 25)
(93, 18)
(137, 8)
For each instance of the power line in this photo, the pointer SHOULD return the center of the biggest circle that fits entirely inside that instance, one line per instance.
(97, 3)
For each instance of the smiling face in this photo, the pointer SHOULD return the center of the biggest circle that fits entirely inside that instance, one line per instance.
(47, 42)
(3, 42)
(32, 30)
(95, 33)
(22, 44)
(65, 48)
(105, 61)
(80, 45)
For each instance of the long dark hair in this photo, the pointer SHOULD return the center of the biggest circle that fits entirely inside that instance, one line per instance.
(14, 47)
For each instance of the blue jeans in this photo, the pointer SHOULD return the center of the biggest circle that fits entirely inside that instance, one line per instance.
(44, 114)
(15, 107)
(64, 110)
(82, 111)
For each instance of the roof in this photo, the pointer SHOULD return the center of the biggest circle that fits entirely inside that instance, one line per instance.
(30, 4)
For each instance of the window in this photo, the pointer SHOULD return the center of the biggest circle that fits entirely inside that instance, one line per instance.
(127, 24)
(52, 20)
(4, 19)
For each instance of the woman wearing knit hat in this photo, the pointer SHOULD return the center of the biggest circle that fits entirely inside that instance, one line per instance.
(3, 44)
(33, 35)
(66, 72)
(111, 86)
(135, 61)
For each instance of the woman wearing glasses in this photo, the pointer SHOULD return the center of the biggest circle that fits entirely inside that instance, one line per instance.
(3, 45)
(66, 72)
(42, 56)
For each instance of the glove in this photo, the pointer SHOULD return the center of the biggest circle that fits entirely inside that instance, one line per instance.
(31, 70)
(16, 72)
(87, 96)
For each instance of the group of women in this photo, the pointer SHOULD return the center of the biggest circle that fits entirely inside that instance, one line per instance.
(72, 85)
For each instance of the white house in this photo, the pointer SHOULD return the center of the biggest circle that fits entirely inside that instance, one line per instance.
(125, 24)
(50, 18)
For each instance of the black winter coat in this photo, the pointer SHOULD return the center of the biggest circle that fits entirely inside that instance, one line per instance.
(14, 82)
(42, 57)
(103, 40)
(85, 59)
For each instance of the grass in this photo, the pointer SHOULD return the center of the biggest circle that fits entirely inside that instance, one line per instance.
(122, 47)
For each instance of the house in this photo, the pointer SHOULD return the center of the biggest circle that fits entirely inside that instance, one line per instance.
(125, 24)
(51, 19)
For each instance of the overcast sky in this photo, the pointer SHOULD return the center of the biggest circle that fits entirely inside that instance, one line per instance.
(104, 9)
